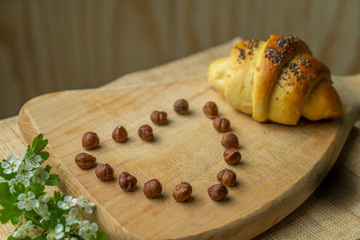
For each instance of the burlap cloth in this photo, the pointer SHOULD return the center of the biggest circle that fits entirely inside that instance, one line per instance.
(331, 212)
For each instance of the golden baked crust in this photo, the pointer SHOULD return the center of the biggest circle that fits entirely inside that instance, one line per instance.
(278, 80)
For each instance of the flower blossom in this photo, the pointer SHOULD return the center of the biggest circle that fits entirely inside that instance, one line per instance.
(25, 170)
(27, 201)
(18, 181)
(68, 202)
(81, 202)
(73, 217)
(57, 233)
(87, 229)
(40, 175)
(33, 160)
(24, 230)
(10, 164)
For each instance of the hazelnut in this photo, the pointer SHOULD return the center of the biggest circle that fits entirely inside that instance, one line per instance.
(152, 188)
(181, 106)
(119, 134)
(182, 192)
(104, 172)
(127, 182)
(230, 140)
(232, 156)
(159, 118)
(85, 161)
(146, 133)
(217, 192)
(221, 124)
(90, 140)
(227, 177)
(210, 110)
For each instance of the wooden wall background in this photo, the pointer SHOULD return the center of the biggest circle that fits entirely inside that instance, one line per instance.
(54, 45)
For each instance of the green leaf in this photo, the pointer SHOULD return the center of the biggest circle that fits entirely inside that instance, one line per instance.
(29, 152)
(29, 215)
(44, 155)
(6, 176)
(10, 212)
(6, 196)
(18, 190)
(26, 238)
(99, 236)
(54, 216)
(52, 180)
(58, 196)
(56, 212)
(37, 189)
(36, 140)
(47, 168)
(39, 144)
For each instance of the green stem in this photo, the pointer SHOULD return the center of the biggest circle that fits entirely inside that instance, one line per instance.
(35, 222)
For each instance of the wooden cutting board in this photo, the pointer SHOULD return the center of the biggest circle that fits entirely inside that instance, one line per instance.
(281, 166)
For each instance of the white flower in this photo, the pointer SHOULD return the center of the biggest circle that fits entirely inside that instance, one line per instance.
(27, 201)
(67, 203)
(10, 164)
(57, 233)
(81, 202)
(43, 208)
(73, 217)
(34, 160)
(24, 230)
(25, 170)
(44, 212)
(72, 238)
(18, 181)
(88, 229)
(40, 175)
(2, 180)
(44, 198)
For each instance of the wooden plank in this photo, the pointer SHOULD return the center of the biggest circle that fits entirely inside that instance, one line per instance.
(272, 180)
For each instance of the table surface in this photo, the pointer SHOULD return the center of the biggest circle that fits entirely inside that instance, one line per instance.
(331, 212)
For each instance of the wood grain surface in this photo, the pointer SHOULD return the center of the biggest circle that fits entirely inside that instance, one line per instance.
(282, 165)
(48, 46)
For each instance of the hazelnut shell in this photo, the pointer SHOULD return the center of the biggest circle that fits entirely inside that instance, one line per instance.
(230, 140)
(227, 177)
(181, 106)
(85, 161)
(210, 110)
(145, 132)
(232, 156)
(127, 182)
(119, 134)
(217, 192)
(104, 172)
(152, 188)
(90, 140)
(182, 192)
(221, 124)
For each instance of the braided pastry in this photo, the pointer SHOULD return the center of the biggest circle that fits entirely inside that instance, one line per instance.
(278, 80)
